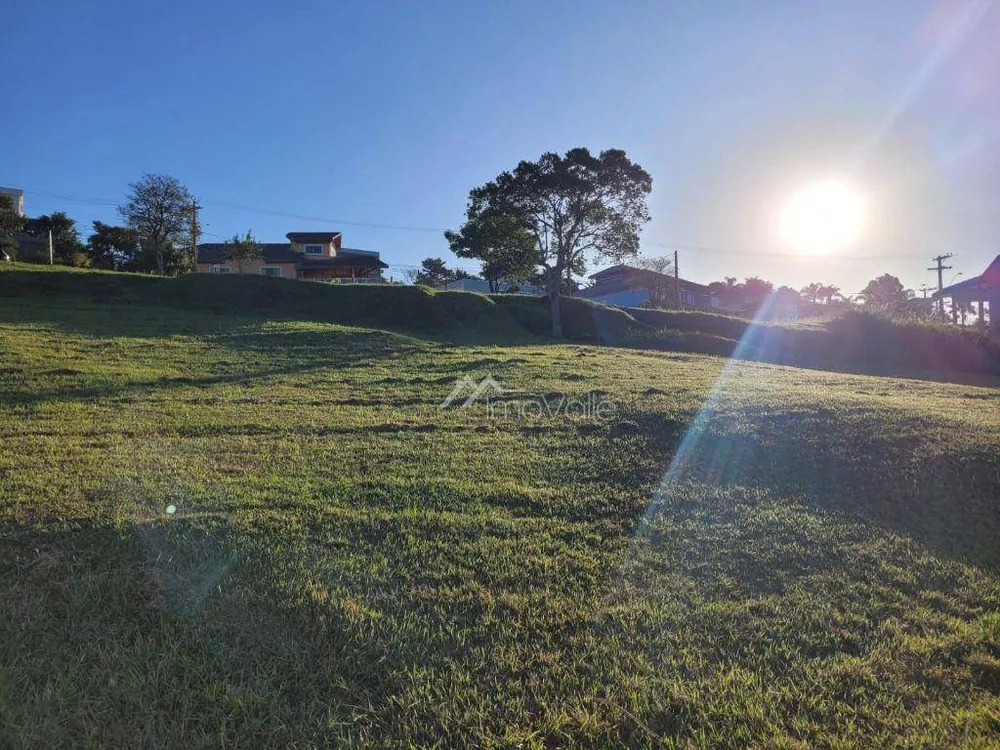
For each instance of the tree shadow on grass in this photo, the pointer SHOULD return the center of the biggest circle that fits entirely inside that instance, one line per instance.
(260, 355)
(175, 628)
(890, 472)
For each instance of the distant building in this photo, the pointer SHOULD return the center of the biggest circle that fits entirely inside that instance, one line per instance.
(316, 256)
(16, 196)
(482, 286)
(627, 286)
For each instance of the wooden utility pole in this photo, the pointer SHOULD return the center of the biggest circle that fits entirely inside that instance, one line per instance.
(677, 283)
(940, 268)
(924, 289)
(50, 248)
(195, 231)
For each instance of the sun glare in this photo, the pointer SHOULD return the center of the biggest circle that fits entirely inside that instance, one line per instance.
(823, 218)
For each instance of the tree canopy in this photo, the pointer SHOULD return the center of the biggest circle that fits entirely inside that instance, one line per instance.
(159, 210)
(885, 293)
(501, 241)
(10, 222)
(113, 247)
(244, 249)
(66, 245)
(575, 207)
(434, 272)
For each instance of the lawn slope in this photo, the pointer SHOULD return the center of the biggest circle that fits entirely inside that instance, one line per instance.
(223, 531)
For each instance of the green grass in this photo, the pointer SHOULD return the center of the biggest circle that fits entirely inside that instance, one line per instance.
(348, 563)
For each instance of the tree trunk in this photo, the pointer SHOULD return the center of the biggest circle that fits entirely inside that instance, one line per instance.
(555, 277)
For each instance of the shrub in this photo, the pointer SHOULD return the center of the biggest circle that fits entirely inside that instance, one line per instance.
(715, 324)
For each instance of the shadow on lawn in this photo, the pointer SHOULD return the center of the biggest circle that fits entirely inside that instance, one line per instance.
(894, 473)
(247, 355)
(194, 627)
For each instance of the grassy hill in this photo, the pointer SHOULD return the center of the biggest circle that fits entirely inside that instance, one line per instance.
(853, 342)
(218, 529)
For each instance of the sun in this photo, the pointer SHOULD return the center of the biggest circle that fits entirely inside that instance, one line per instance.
(823, 217)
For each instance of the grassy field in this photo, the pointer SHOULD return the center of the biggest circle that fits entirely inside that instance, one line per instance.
(223, 531)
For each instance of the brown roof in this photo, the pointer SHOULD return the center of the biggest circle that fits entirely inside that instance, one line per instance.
(281, 252)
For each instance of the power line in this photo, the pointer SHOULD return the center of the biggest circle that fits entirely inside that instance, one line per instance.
(324, 220)
(70, 199)
(673, 246)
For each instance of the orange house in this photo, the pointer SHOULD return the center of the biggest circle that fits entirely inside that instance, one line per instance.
(307, 255)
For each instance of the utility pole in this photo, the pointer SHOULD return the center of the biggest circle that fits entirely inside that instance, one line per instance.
(195, 231)
(50, 247)
(940, 268)
(677, 283)
(924, 289)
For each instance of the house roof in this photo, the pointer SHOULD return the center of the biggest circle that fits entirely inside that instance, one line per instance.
(312, 237)
(622, 277)
(281, 252)
(988, 279)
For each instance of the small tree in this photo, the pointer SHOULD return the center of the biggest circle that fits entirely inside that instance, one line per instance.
(827, 293)
(501, 241)
(112, 247)
(433, 272)
(885, 293)
(159, 210)
(662, 289)
(574, 206)
(66, 245)
(244, 249)
(811, 293)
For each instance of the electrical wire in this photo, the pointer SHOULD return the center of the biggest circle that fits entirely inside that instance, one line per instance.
(406, 228)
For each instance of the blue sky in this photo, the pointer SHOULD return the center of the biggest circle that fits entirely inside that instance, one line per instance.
(388, 113)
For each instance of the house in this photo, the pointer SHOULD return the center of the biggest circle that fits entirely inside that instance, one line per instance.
(317, 256)
(981, 293)
(483, 287)
(627, 286)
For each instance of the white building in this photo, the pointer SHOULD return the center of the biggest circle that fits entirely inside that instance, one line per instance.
(16, 197)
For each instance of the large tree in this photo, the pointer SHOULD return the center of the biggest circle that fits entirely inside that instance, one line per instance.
(66, 245)
(885, 293)
(575, 206)
(113, 247)
(161, 211)
(501, 241)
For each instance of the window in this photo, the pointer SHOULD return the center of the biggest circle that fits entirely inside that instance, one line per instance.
(221, 269)
(314, 249)
(270, 270)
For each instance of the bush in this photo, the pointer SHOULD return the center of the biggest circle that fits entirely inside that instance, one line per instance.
(8, 247)
(714, 324)
(581, 319)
